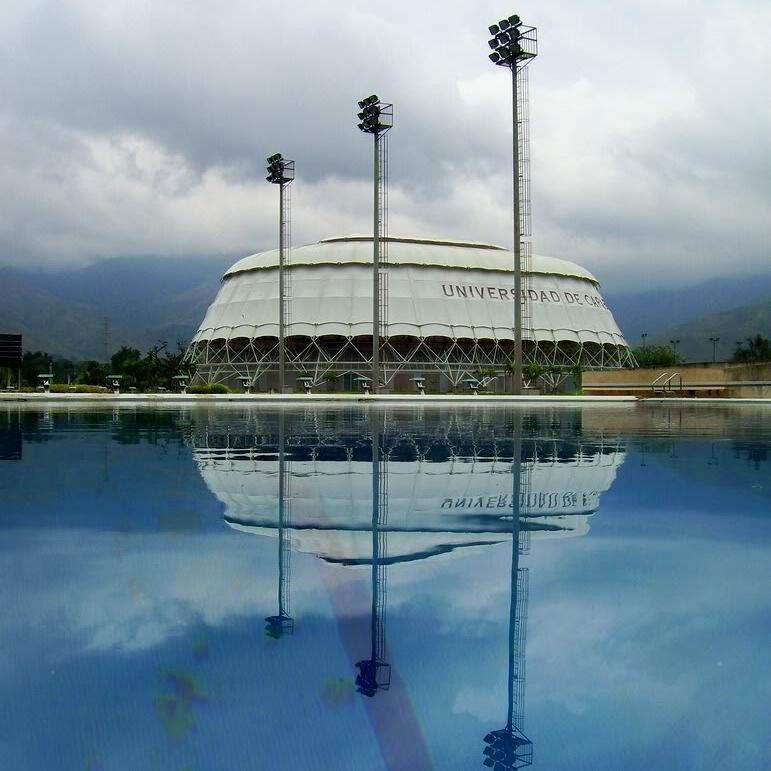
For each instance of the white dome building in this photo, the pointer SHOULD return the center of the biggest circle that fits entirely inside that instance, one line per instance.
(450, 314)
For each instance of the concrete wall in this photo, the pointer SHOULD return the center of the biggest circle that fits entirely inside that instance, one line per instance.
(698, 379)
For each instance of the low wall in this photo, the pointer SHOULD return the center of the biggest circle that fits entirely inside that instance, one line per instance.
(709, 379)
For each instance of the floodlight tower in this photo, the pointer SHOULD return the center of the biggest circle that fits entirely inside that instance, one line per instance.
(714, 341)
(508, 748)
(375, 672)
(281, 173)
(377, 118)
(514, 45)
(276, 626)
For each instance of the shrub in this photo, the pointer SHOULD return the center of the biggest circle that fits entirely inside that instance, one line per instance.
(78, 388)
(208, 388)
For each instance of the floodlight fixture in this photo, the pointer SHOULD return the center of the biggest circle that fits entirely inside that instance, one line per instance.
(372, 99)
(494, 29)
(280, 169)
(504, 24)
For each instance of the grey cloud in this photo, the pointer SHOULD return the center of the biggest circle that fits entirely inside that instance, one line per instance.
(646, 147)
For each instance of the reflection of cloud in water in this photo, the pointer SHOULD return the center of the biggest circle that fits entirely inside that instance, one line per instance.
(157, 588)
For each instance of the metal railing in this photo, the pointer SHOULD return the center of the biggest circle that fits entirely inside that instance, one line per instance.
(663, 383)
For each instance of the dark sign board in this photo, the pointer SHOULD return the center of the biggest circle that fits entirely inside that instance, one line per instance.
(10, 350)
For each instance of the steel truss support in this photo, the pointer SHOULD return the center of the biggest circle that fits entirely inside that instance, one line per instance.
(457, 360)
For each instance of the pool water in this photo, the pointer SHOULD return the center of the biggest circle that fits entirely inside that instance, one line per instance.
(359, 587)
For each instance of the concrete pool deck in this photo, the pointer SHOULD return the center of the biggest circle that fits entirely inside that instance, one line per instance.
(145, 399)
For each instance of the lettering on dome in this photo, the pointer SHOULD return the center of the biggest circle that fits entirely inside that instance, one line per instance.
(562, 501)
(551, 296)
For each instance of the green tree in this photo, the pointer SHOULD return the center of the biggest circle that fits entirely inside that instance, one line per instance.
(64, 369)
(758, 348)
(162, 364)
(656, 356)
(155, 368)
(128, 362)
(125, 355)
(92, 373)
(530, 372)
(34, 363)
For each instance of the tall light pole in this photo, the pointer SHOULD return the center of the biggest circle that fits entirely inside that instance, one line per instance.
(714, 341)
(377, 118)
(514, 45)
(674, 344)
(643, 336)
(281, 173)
(509, 748)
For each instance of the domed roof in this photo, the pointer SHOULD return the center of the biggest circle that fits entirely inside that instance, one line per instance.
(454, 290)
(357, 249)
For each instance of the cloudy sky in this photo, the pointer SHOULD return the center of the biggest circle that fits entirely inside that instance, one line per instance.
(131, 127)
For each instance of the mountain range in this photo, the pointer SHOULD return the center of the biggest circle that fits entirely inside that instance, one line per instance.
(732, 327)
(731, 308)
(89, 312)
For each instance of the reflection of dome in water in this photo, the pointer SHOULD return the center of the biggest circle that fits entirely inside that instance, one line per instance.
(449, 302)
(432, 507)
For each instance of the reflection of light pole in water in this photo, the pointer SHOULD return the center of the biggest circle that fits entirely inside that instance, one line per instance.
(509, 748)
(283, 622)
(375, 672)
